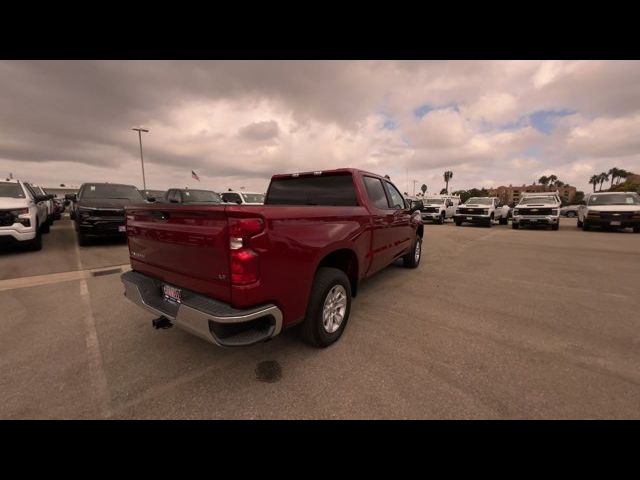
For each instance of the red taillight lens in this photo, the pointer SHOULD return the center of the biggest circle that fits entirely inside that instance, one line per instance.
(245, 227)
(245, 268)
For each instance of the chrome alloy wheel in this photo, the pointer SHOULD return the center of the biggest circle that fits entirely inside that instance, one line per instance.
(334, 309)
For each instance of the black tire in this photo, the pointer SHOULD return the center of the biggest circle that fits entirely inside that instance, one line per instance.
(46, 227)
(83, 241)
(35, 245)
(409, 259)
(312, 329)
(579, 223)
(515, 226)
(441, 220)
(504, 221)
(586, 227)
(636, 229)
(458, 223)
(555, 227)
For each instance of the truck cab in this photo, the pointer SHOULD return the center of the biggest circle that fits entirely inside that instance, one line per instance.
(537, 209)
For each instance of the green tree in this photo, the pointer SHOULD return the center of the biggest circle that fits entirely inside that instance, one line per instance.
(552, 179)
(594, 181)
(578, 197)
(603, 177)
(448, 175)
(613, 173)
(544, 180)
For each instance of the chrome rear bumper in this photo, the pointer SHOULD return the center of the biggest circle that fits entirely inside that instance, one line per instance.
(214, 321)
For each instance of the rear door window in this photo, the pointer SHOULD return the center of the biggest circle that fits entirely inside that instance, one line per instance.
(395, 199)
(375, 192)
(328, 190)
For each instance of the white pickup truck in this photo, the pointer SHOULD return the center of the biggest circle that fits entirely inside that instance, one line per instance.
(483, 210)
(537, 209)
(437, 208)
(610, 210)
(23, 214)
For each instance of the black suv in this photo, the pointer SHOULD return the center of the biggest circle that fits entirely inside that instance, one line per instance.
(98, 209)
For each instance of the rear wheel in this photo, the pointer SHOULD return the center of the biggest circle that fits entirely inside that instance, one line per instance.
(45, 227)
(329, 307)
(412, 259)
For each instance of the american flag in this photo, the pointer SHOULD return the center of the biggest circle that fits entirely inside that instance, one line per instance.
(194, 175)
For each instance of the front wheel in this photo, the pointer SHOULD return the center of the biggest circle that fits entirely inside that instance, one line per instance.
(555, 226)
(412, 259)
(328, 309)
(83, 241)
(515, 226)
(46, 227)
(504, 221)
(458, 223)
(586, 227)
(36, 244)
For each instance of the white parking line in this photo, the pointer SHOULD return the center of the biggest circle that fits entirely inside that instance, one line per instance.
(98, 379)
(49, 278)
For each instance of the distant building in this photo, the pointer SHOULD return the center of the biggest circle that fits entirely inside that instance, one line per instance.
(511, 195)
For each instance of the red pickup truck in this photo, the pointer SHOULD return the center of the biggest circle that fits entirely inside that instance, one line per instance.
(237, 275)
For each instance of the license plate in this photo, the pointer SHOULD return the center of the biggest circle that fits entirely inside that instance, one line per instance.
(615, 224)
(469, 218)
(122, 228)
(171, 293)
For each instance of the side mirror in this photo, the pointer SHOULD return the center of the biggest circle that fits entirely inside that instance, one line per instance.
(70, 197)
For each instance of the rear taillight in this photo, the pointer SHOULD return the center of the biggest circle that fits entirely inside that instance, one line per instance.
(245, 265)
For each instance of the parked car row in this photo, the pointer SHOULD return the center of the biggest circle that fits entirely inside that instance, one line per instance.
(26, 213)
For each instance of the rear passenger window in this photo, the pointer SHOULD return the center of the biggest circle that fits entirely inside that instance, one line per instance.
(396, 200)
(375, 192)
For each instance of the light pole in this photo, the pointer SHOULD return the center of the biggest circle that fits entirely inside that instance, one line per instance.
(140, 130)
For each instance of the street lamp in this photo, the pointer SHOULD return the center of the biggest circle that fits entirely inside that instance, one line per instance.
(140, 130)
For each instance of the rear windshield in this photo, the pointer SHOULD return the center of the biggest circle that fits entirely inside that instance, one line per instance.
(200, 196)
(11, 190)
(125, 192)
(330, 190)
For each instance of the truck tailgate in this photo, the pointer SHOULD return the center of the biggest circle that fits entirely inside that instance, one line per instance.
(187, 247)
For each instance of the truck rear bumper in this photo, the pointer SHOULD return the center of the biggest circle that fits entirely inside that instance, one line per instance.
(214, 321)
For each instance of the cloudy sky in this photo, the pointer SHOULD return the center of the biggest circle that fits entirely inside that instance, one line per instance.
(237, 123)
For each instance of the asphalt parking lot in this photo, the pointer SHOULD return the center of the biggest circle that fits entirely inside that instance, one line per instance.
(494, 324)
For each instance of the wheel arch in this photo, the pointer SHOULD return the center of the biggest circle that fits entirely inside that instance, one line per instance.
(344, 259)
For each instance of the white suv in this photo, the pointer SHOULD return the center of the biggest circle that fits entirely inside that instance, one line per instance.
(23, 214)
(610, 210)
(243, 198)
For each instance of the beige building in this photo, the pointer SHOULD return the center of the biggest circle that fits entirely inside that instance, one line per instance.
(511, 195)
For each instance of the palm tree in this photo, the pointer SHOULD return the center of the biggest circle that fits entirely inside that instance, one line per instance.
(614, 172)
(559, 183)
(594, 181)
(604, 176)
(621, 174)
(448, 175)
(552, 179)
(544, 180)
